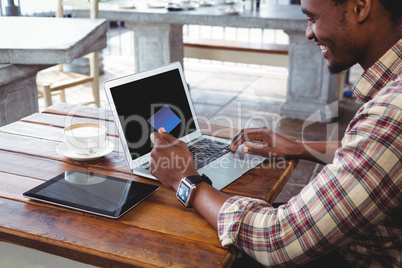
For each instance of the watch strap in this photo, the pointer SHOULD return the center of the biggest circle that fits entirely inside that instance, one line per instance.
(196, 179)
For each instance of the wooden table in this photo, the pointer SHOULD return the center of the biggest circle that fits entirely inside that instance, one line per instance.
(160, 232)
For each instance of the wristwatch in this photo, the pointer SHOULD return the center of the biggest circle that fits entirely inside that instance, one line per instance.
(187, 188)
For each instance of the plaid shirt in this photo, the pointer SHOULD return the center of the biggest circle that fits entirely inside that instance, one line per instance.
(354, 205)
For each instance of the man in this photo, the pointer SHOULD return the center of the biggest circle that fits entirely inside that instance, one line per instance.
(353, 207)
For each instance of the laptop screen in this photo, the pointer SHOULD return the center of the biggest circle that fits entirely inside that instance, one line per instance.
(149, 103)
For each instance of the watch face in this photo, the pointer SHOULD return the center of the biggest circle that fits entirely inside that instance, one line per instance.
(183, 192)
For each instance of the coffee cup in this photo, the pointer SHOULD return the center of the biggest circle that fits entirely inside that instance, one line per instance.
(85, 138)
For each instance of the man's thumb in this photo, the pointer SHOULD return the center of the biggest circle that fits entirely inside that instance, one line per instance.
(166, 136)
(248, 149)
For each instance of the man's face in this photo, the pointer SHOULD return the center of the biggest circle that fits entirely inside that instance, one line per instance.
(330, 28)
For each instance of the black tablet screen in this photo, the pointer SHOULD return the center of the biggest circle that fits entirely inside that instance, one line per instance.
(95, 193)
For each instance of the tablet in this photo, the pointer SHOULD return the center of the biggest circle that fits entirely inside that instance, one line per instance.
(93, 193)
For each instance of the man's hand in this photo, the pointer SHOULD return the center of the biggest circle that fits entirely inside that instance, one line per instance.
(170, 159)
(270, 143)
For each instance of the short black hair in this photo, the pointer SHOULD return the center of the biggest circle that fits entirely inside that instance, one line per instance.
(394, 8)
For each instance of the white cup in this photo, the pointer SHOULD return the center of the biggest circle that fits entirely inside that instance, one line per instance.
(86, 138)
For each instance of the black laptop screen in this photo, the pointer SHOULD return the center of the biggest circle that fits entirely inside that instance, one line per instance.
(147, 104)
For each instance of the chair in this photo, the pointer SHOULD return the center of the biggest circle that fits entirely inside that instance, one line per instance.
(54, 81)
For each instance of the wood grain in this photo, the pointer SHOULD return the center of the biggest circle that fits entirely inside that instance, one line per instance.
(59, 231)
(159, 232)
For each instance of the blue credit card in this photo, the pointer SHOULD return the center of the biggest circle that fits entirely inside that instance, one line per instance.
(165, 118)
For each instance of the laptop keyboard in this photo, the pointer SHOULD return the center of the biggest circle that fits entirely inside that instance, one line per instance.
(204, 152)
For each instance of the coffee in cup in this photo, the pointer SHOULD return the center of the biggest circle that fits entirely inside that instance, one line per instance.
(85, 138)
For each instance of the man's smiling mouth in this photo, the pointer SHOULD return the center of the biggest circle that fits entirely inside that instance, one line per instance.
(323, 48)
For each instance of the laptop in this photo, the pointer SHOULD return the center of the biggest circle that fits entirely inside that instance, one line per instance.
(143, 102)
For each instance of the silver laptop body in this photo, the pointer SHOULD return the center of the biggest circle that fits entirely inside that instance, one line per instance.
(143, 102)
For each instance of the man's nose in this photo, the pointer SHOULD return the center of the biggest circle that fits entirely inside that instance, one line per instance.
(309, 32)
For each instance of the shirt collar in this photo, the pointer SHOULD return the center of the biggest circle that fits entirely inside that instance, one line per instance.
(385, 70)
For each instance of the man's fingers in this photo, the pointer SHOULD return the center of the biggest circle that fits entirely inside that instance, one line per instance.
(257, 150)
(251, 134)
(163, 138)
(166, 136)
(157, 138)
(238, 139)
(243, 131)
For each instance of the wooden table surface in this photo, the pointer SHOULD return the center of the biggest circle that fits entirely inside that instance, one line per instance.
(160, 232)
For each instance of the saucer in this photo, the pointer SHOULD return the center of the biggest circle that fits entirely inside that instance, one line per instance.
(64, 150)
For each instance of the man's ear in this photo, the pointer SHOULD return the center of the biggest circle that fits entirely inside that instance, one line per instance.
(362, 9)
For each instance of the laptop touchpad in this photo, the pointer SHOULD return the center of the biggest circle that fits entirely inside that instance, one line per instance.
(239, 155)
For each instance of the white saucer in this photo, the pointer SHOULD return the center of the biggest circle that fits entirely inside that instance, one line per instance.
(65, 151)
